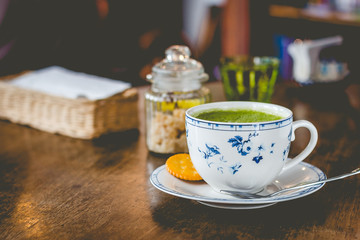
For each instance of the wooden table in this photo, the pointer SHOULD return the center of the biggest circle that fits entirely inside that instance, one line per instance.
(55, 187)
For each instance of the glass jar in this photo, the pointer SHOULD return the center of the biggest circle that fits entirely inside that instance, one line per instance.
(176, 86)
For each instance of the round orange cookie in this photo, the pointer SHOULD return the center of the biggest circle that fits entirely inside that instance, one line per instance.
(180, 166)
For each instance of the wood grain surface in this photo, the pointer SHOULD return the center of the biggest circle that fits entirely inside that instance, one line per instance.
(56, 187)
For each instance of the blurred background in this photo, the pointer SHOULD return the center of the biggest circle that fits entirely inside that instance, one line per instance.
(124, 39)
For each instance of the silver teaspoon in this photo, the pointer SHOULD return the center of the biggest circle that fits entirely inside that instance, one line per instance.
(246, 195)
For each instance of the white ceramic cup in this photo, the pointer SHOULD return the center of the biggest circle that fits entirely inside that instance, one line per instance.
(244, 156)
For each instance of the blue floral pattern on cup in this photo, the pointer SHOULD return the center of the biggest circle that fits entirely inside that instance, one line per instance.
(220, 163)
(243, 146)
(213, 157)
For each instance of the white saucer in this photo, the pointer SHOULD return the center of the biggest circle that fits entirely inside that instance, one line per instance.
(204, 194)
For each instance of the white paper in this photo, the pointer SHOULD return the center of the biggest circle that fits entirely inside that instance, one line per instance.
(62, 82)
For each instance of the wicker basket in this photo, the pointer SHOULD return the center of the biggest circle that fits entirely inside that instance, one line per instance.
(78, 118)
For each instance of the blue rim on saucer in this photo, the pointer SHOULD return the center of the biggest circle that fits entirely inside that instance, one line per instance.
(202, 192)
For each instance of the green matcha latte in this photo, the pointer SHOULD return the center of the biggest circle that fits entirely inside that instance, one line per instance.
(235, 116)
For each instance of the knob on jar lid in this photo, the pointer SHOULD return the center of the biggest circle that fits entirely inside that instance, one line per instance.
(177, 71)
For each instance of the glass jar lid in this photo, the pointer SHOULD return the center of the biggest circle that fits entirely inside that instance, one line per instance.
(177, 72)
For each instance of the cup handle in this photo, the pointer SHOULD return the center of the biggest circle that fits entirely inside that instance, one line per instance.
(308, 149)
